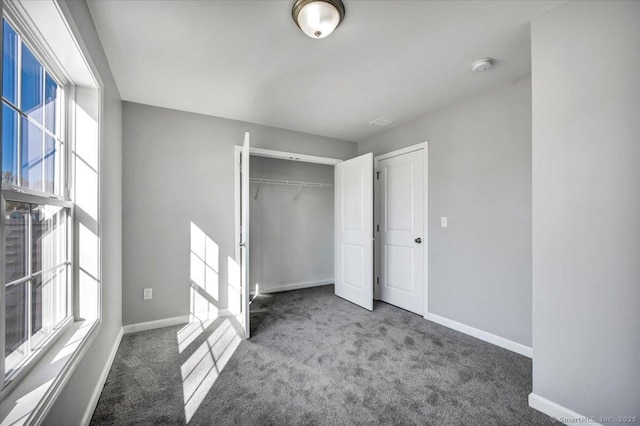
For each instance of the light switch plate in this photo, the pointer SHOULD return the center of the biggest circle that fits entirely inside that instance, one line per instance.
(147, 293)
(443, 222)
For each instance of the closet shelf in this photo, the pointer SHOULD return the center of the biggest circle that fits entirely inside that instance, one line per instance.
(299, 184)
(291, 183)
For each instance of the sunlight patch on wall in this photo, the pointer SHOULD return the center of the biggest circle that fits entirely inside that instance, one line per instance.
(86, 153)
(204, 272)
(88, 283)
(202, 310)
(85, 166)
(88, 288)
(86, 188)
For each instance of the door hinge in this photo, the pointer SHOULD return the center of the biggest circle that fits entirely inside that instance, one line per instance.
(378, 280)
(377, 228)
(378, 175)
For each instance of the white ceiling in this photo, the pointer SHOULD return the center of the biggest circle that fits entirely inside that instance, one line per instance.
(247, 60)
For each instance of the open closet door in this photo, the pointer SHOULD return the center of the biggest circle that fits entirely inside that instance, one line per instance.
(244, 240)
(354, 230)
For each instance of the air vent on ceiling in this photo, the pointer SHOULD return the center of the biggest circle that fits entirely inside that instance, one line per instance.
(382, 121)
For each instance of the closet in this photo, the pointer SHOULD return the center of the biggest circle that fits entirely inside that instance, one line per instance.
(301, 221)
(292, 224)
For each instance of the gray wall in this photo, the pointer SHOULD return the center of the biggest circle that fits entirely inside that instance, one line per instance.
(480, 178)
(291, 240)
(177, 170)
(586, 207)
(70, 406)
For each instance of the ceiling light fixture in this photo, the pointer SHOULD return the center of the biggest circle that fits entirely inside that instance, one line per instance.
(482, 64)
(318, 18)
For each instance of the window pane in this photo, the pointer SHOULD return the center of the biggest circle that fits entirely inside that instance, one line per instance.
(48, 236)
(48, 252)
(15, 331)
(15, 255)
(42, 301)
(9, 63)
(31, 151)
(49, 302)
(49, 164)
(9, 145)
(36, 305)
(50, 109)
(32, 85)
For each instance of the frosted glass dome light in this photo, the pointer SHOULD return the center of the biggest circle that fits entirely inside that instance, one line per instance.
(318, 18)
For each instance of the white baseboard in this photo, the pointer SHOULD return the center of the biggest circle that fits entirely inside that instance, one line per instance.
(558, 412)
(209, 315)
(276, 287)
(482, 335)
(150, 325)
(95, 396)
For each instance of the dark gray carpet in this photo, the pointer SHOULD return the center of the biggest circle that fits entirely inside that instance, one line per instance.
(317, 359)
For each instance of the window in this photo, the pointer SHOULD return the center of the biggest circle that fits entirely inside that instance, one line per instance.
(36, 212)
(32, 146)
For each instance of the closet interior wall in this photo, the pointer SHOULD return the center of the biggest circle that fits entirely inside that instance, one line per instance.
(291, 242)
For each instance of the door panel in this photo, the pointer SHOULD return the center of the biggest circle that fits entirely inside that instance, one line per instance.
(354, 230)
(400, 267)
(401, 209)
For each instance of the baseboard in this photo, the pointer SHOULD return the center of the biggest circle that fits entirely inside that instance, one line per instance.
(168, 322)
(150, 325)
(275, 288)
(482, 335)
(210, 315)
(95, 396)
(558, 412)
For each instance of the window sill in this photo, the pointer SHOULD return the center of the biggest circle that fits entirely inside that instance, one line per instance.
(29, 400)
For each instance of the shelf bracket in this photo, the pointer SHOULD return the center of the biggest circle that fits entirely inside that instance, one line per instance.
(298, 193)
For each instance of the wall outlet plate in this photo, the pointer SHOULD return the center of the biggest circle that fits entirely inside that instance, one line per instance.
(443, 222)
(148, 293)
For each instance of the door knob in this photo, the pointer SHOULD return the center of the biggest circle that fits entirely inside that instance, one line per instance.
(418, 240)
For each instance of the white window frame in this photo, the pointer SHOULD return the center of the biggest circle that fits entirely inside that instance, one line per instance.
(47, 59)
(51, 27)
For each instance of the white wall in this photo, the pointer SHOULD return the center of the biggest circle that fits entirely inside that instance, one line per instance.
(291, 240)
(179, 170)
(72, 403)
(480, 178)
(586, 207)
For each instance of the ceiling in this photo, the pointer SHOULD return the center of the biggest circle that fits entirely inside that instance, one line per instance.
(247, 60)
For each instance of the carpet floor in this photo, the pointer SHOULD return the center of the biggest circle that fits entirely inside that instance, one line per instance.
(315, 359)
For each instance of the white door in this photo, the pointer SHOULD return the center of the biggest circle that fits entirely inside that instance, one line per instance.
(244, 241)
(401, 204)
(354, 230)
